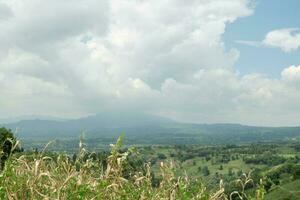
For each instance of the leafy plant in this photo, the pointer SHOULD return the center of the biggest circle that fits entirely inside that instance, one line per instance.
(38, 176)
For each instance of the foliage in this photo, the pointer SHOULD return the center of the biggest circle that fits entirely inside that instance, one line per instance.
(38, 176)
(8, 145)
(205, 171)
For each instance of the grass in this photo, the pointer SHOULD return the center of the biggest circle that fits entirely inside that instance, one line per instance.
(191, 166)
(38, 176)
(289, 191)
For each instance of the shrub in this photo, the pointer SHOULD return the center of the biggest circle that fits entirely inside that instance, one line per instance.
(8, 145)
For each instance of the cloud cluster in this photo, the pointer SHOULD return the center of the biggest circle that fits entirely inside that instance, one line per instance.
(166, 57)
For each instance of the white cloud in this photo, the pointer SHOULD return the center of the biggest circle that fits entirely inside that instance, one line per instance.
(161, 56)
(285, 39)
(291, 75)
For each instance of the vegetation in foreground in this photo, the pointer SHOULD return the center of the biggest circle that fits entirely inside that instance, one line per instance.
(40, 176)
(186, 171)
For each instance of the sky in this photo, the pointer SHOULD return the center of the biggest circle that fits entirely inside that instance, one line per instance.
(201, 61)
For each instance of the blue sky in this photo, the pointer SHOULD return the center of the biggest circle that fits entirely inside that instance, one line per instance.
(268, 15)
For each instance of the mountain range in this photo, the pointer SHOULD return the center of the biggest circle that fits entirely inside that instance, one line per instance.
(142, 128)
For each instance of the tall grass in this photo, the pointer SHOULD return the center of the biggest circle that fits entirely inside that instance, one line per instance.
(37, 176)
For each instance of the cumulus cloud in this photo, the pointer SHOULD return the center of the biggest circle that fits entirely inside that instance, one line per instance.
(165, 57)
(285, 39)
(292, 75)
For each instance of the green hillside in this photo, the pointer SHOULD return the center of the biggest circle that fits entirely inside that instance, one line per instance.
(288, 191)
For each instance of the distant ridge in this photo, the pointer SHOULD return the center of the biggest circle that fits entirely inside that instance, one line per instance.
(145, 128)
(93, 123)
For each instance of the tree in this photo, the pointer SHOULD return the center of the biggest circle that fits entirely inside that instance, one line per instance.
(296, 171)
(162, 156)
(199, 169)
(230, 172)
(7, 142)
(205, 171)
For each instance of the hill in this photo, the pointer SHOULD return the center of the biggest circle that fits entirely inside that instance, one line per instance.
(149, 129)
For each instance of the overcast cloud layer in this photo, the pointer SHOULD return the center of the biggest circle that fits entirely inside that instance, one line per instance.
(78, 57)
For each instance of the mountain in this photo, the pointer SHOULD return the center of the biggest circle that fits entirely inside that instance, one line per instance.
(28, 117)
(95, 124)
(149, 129)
